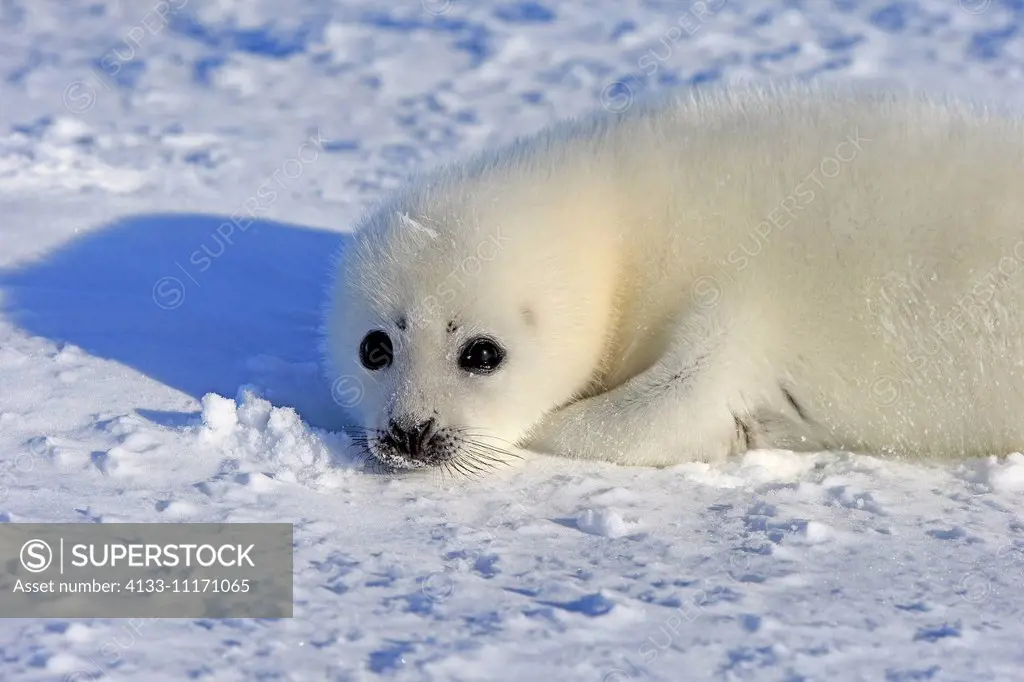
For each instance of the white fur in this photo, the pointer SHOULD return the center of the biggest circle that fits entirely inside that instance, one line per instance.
(684, 263)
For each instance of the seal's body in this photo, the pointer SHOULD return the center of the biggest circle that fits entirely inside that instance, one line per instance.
(793, 268)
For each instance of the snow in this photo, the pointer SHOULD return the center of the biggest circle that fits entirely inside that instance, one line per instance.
(605, 522)
(174, 177)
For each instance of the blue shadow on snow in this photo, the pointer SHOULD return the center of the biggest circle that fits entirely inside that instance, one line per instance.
(196, 309)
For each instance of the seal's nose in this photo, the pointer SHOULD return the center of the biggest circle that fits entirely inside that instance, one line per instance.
(412, 440)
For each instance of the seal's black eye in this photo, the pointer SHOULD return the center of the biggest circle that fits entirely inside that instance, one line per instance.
(481, 355)
(375, 352)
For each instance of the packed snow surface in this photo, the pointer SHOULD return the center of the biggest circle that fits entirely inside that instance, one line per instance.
(174, 177)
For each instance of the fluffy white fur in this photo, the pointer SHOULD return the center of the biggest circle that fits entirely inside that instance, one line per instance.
(794, 268)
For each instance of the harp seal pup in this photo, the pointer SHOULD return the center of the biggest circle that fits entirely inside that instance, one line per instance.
(791, 267)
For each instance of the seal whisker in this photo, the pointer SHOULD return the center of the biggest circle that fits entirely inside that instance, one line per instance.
(498, 451)
(468, 465)
(453, 469)
(485, 456)
(491, 448)
(484, 451)
(440, 473)
(463, 431)
(493, 454)
(460, 465)
(482, 459)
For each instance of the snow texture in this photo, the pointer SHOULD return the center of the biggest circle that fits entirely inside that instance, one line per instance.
(174, 177)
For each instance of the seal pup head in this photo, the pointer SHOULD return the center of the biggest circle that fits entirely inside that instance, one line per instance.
(466, 313)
